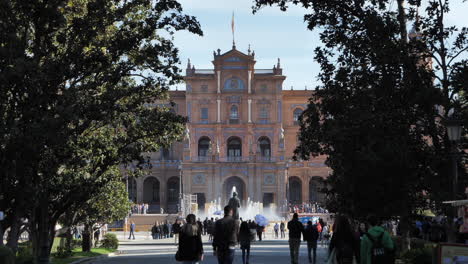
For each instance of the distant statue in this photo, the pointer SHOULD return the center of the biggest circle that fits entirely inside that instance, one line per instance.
(234, 203)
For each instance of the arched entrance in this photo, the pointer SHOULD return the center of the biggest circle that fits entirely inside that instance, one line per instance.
(295, 190)
(151, 189)
(172, 195)
(240, 188)
(315, 185)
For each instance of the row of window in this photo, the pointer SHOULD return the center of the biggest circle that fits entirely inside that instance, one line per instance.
(262, 88)
(234, 147)
(263, 114)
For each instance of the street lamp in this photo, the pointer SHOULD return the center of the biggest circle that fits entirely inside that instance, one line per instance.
(454, 130)
(287, 187)
(181, 198)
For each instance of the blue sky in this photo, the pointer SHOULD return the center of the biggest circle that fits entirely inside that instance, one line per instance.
(271, 33)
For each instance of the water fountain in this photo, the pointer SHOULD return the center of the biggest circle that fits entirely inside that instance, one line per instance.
(248, 210)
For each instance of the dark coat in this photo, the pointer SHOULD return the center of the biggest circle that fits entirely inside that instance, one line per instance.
(225, 234)
(311, 234)
(176, 228)
(190, 247)
(295, 229)
(245, 239)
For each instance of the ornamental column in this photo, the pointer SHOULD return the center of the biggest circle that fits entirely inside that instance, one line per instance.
(219, 111)
(249, 78)
(250, 110)
(219, 81)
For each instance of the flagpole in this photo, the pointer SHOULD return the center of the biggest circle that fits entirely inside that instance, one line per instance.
(232, 28)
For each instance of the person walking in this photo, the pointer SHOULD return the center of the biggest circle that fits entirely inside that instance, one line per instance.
(132, 230)
(97, 233)
(259, 232)
(376, 245)
(210, 229)
(295, 230)
(282, 227)
(205, 226)
(245, 239)
(253, 229)
(190, 249)
(311, 236)
(166, 230)
(176, 230)
(154, 232)
(344, 247)
(276, 228)
(225, 237)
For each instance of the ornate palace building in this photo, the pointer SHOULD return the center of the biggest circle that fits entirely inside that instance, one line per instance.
(242, 132)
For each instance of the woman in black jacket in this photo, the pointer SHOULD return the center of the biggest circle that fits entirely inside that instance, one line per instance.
(245, 238)
(190, 243)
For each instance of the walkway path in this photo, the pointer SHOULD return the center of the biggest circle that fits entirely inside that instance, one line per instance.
(162, 251)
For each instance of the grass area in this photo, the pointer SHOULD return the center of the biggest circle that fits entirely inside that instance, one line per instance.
(78, 254)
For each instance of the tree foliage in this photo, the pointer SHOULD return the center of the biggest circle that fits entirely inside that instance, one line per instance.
(79, 80)
(375, 114)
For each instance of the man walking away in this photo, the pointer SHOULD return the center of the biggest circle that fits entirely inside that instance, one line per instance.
(205, 226)
(259, 232)
(276, 230)
(225, 237)
(295, 230)
(132, 230)
(176, 228)
(283, 235)
(376, 245)
(311, 235)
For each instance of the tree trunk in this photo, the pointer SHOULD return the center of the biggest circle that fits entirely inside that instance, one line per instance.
(402, 20)
(87, 241)
(69, 238)
(42, 233)
(14, 233)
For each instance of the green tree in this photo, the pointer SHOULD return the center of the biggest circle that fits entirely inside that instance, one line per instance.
(78, 82)
(374, 114)
(106, 206)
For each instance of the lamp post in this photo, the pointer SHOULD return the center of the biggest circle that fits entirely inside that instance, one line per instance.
(181, 198)
(454, 130)
(287, 188)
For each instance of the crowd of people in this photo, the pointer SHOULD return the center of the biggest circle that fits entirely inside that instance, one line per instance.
(350, 242)
(307, 208)
(139, 208)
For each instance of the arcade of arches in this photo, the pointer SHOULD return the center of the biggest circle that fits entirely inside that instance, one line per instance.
(313, 190)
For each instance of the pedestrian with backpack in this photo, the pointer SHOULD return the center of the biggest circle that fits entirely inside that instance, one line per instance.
(377, 246)
(344, 247)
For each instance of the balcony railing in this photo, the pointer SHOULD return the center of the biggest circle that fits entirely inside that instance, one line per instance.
(204, 71)
(263, 71)
(253, 158)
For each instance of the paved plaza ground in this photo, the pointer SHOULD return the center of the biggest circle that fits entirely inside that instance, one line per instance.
(144, 250)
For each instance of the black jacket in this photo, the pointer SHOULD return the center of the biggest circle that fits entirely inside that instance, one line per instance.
(190, 247)
(176, 228)
(295, 229)
(311, 234)
(225, 234)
